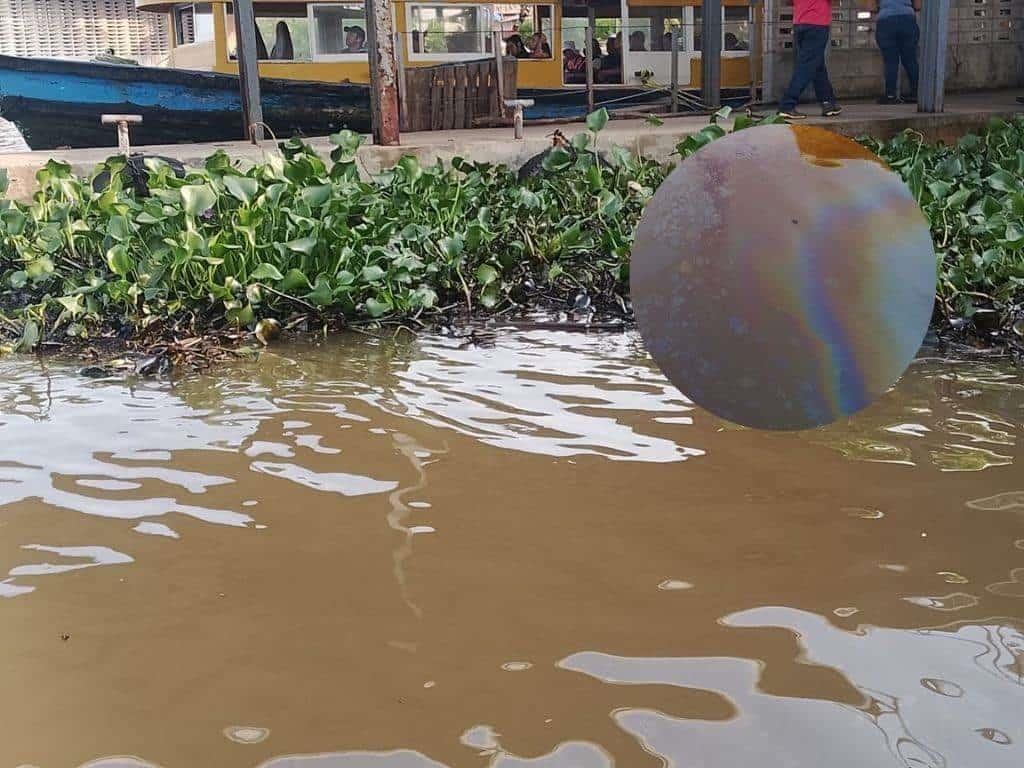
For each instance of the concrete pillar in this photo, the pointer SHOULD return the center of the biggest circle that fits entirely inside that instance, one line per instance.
(934, 42)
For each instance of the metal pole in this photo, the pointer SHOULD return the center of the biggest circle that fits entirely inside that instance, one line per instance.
(769, 44)
(675, 68)
(588, 48)
(499, 63)
(711, 54)
(403, 94)
(754, 51)
(380, 41)
(248, 70)
(934, 42)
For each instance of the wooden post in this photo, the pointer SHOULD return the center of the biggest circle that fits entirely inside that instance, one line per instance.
(591, 54)
(931, 96)
(380, 41)
(675, 68)
(248, 70)
(711, 54)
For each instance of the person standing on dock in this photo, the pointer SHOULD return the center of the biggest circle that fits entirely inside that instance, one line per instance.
(897, 33)
(812, 24)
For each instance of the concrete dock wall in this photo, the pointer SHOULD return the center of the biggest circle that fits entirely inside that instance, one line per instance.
(964, 114)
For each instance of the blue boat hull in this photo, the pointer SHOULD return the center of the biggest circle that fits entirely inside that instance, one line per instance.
(58, 103)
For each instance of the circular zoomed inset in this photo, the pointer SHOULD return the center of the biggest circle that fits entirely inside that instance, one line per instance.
(783, 277)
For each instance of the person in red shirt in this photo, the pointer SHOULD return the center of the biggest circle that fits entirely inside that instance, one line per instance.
(812, 22)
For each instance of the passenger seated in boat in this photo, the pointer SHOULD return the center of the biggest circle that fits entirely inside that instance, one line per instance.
(283, 48)
(637, 41)
(355, 39)
(574, 65)
(611, 63)
(261, 46)
(515, 47)
(539, 48)
(733, 43)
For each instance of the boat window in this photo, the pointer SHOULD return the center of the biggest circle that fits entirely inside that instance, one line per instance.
(193, 23)
(282, 32)
(649, 28)
(533, 24)
(606, 57)
(338, 30)
(440, 31)
(736, 28)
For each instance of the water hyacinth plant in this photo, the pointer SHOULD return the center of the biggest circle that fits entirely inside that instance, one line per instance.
(226, 245)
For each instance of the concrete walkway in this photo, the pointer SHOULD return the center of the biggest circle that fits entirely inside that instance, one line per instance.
(964, 113)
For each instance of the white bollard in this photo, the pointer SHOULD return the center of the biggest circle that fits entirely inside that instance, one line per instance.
(122, 122)
(517, 116)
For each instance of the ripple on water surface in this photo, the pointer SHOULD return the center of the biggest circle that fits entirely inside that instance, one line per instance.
(532, 554)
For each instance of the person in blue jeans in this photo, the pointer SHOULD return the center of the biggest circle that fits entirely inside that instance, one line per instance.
(812, 22)
(897, 34)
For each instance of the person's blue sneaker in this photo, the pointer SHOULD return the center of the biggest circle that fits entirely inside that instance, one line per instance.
(791, 114)
(830, 109)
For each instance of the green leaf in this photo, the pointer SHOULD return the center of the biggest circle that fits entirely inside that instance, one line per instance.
(654, 121)
(241, 315)
(316, 196)
(373, 273)
(378, 307)
(486, 274)
(557, 159)
(242, 188)
(425, 297)
(322, 295)
(4, 181)
(610, 204)
(939, 189)
(346, 141)
(596, 121)
(490, 295)
(302, 244)
(29, 336)
(295, 278)
(13, 221)
(118, 229)
(18, 279)
(118, 260)
(958, 198)
(265, 272)
(39, 268)
(452, 246)
(197, 198)
(722, 114)
(73, 305)
(1003, 181)
(581, 141)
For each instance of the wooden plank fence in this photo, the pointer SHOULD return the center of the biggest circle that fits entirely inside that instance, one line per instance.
(449, 96)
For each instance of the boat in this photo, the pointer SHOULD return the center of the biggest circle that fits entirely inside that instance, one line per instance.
(326, 42)
(58, 103)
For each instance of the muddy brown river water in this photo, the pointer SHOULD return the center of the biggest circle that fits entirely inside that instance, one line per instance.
(536, 554)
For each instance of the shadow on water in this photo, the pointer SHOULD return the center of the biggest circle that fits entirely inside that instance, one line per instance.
(537, 553)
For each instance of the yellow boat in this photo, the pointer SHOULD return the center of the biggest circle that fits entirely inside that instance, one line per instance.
(326, 42)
